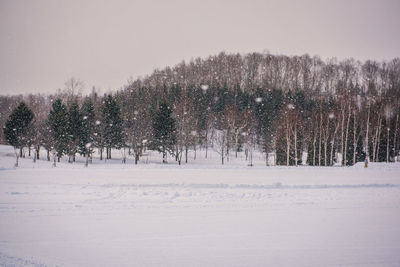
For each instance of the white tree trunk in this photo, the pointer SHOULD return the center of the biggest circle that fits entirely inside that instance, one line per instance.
(366, 135)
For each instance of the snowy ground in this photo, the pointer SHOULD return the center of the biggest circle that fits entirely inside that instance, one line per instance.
(200, 214)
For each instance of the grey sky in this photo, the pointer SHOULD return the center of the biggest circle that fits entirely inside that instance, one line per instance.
(104, 43)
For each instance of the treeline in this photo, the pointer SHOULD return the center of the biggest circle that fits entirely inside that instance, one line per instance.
(337, 112)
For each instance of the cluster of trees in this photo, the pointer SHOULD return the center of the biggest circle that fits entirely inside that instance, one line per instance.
(337, 112)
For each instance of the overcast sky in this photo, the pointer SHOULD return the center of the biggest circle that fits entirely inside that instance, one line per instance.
(104, 43)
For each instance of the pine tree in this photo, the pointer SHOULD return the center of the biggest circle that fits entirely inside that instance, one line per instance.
(58, 122)
(164, 131)
(88, 129)
(112, 122)
(17, 125)
(87, 137)
(75, 123)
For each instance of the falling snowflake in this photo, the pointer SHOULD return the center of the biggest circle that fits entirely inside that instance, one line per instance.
(204, 87)
(290, 106)
(258, 99)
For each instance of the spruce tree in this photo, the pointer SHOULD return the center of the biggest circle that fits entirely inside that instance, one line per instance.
(112, 122)
(88, 129)
(58, 122)
(16, 128)
(75, 123)
(164, 131)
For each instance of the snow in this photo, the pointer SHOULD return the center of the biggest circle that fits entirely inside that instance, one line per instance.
(198, 214)
(204, 87)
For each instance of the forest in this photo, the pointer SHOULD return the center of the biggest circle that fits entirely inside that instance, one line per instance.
(335, 112)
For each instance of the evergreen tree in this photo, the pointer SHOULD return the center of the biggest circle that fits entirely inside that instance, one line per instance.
(112, 123)
(88, 129)
(164, 131)
(16, 128)
(75, 124)
(58, 122)
(360, 154)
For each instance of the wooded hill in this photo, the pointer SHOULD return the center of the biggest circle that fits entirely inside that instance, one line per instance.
(337, 111)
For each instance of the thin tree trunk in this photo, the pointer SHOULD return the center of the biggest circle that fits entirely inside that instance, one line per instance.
(287, 143)
(395, 136)
(326, 144)
(136, 158)
(87, 160)
(222, 154)
(320, 139)
(347, 136)
(333, 143)
(374, 141)
(227, 145)
(366, 135)
(314, 148)
(206, 142)
(236, 145)
(387, 144)
(342, 137)
(378, 141)
(354, 139)
(295, 144)
(17, 155)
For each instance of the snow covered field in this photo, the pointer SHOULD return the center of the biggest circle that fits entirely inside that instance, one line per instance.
(199, 214)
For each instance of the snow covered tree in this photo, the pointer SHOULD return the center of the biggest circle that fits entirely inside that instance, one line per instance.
(16, 128)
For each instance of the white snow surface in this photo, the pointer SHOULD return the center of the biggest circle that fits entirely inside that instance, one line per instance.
(197, 214)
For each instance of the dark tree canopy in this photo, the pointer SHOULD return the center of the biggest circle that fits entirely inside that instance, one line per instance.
(112, 122)
(17, 126)
(164, 130)
(58, 122)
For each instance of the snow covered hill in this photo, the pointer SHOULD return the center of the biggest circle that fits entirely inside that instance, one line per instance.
(198, 214)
